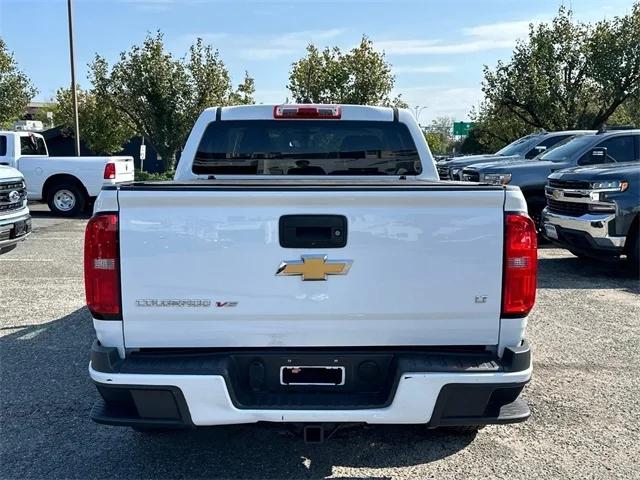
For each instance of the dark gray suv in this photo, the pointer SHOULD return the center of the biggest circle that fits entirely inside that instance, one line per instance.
(615, 146)
(522, 149)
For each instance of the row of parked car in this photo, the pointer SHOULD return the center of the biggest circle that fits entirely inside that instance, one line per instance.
(581, 187)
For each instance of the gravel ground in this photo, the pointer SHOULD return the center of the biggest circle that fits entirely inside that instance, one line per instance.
(584, 395)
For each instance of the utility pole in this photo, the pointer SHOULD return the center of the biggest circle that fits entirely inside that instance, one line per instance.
(74, 93)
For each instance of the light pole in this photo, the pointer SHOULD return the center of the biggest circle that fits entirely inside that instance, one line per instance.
(417, 110)
(74, 93)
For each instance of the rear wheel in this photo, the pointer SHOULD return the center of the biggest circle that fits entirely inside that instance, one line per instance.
(66, 199)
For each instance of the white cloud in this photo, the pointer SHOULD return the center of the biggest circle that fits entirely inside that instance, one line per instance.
(151, 5)
(442, 100)
(270, 47)
(502, 32)
(423, 69)
(477, 39)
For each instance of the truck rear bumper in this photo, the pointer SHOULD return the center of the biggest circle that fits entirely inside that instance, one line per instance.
(423, 388)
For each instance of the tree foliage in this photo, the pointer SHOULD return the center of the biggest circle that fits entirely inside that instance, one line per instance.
(495, 127)
(360, 76)
(439, 135)
(162, 96)
(566, 75)
(102, 128)
(16, 90)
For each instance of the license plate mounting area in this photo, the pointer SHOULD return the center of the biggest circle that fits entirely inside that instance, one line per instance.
(312, 375)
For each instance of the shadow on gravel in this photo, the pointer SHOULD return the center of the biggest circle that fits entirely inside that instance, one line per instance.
(46, 396)
(41, 213)
(579, 273)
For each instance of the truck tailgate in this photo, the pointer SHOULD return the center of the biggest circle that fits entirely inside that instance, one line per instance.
(199, 268)
(124, 169)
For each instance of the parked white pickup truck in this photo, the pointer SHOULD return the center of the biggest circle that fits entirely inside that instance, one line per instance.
(15, 221)
(306, 265)
(68, 184)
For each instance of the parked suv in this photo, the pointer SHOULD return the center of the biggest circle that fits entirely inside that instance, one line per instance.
(614, 146)
(594, 211)
(15, 221)
(524, 148)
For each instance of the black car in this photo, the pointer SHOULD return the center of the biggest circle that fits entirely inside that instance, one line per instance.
(522, 149)
(605, 147)
(594, 211)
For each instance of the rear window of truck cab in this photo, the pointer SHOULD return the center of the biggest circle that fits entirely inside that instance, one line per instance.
(306, 147)
(32, 145)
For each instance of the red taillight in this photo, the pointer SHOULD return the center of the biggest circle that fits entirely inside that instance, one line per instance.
(110, 171)
(520, 276)
(307, 111)
(102, 266)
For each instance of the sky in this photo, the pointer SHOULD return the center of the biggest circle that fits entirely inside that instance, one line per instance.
(437, 48)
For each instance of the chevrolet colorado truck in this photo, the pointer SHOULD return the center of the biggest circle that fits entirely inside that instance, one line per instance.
(306, 265)
(68, 184)
(524, 148)
(595, 211)
(15, 221)
(604, 147)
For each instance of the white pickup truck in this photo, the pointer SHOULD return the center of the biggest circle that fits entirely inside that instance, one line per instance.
(306, 265)
(15, 221)
(68, 184)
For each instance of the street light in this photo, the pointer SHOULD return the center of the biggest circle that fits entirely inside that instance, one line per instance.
(417, 110)
(74, 93)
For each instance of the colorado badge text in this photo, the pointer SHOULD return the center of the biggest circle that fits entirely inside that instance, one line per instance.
(176, 302)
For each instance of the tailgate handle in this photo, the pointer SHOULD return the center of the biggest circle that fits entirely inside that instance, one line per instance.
(313, 231)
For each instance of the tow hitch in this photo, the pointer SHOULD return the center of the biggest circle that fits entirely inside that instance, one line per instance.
(313, 433)
(318, 432)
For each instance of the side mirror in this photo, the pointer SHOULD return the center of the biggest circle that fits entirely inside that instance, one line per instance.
(539, 149)
(599, 155)
(535, 151)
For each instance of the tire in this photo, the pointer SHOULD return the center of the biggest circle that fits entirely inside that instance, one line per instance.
(7, 249)
(535, 205)
(633, 253)
(581, 256)
(66, 199)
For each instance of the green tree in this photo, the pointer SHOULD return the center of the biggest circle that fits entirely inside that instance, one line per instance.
(472, 144)
(439, 135)
(161, 96)
(568, 74)
(628, 113)
(496, 126)
(361, 76)
(16, 90)
(102, 128)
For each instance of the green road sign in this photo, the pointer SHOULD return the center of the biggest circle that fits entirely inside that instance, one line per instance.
(462, 128)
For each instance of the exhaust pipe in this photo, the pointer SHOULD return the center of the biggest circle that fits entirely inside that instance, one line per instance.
(313, 433)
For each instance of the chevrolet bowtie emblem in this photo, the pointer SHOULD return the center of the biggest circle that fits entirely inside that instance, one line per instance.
(314, 267)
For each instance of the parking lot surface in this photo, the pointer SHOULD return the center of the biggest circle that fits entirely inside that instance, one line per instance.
(585, 394)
